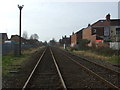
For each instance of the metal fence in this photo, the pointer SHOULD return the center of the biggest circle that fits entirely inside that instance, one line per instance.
(14, 48)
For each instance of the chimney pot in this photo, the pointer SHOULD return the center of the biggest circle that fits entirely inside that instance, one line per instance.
(72, 33)
(108, 17)
(88, 25)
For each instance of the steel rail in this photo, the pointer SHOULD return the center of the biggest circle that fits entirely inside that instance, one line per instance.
(58, 70)
(93, 73)
(31, 74)
(100, 65)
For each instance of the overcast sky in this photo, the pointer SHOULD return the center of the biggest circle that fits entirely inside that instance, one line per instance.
(53, 19)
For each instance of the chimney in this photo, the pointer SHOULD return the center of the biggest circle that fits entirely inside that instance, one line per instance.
(65, 36)
(108, 17)
(88, 25)
(72, 33)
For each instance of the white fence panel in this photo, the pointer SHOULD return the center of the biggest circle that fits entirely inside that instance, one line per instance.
(115, 45)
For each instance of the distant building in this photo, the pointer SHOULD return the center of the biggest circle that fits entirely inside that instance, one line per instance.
(65, 40)
(76, 37)
(16, 39)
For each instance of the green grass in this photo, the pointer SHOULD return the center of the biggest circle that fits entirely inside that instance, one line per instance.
(10, 62)
(101, 53)
(106, 54)
(112, 59)
(115, 59)
(10, 59)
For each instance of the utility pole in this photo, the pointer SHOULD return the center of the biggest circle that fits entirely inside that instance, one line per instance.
(20, 8)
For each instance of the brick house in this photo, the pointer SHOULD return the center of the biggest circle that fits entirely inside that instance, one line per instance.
(102, 31)
(75, 38)
(65, 40)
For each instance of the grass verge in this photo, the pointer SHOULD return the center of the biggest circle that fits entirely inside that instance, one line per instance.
(112, 59)
(10, 63)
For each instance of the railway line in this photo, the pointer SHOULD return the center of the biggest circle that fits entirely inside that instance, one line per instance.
(57, 69)
(107, 75)
(46, 74)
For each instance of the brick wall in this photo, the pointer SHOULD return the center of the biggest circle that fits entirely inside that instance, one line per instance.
(99, 30)
(87, 33)
(73, 40)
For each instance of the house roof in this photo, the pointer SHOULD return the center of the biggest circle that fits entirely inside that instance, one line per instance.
(112, 22)
(14, 36)
(115, 22)
(4, 35)
(79, 32)
(18, 36)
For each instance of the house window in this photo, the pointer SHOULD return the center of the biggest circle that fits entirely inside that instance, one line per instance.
(118, 31)
(94, 31)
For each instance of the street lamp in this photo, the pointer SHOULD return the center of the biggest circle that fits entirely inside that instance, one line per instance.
(20, 8)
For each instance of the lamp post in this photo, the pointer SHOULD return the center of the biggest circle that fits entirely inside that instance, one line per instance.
(20, 8)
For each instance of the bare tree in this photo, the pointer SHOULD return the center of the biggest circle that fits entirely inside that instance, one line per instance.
(31, 37)
(52, 42)
(25, 35)
(34, 36)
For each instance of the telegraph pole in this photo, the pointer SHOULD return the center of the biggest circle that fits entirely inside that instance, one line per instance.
(20, 8)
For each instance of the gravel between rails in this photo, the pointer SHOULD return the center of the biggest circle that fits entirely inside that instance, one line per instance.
(105, 73)
(45, 76)
(75, 77)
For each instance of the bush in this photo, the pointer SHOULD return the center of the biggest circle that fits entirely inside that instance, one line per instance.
(103, 51)
(82, 45)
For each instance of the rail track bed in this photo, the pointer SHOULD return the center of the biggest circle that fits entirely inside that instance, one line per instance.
(108, 74)
(45, 75)
(75, 76)
(57, 69)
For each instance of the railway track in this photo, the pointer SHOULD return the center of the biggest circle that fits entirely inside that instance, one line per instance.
(59, 70)
(46, 74)
(106, 75)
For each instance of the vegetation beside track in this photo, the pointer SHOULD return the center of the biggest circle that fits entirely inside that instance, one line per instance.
(106, 54)
(112, 59)
(11, 63)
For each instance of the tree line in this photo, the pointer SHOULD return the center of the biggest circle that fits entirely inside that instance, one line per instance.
(32, 37)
